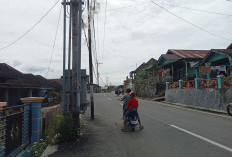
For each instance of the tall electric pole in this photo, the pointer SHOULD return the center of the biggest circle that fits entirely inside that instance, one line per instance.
(98, 75)
(76, 59)
(64, 107)
(90, 61)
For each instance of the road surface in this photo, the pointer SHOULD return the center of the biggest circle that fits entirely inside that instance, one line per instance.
(169, 131)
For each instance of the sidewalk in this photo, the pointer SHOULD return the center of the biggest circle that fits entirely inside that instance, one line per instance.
(100, 139)
(68, 148)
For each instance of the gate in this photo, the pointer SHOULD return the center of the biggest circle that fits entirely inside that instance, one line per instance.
(15, 129)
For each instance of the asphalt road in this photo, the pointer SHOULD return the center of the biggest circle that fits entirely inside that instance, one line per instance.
(169, 131)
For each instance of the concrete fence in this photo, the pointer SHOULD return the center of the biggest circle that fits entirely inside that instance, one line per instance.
(215, 83)
(208, 93)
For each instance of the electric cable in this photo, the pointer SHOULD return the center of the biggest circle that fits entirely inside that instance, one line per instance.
(68, 12)
(211, 12)
(54, 43)
(101, 79)
(202, 29)
(104, 32)
(94, 37)
(94, 72)
(87, 43)
(98, 36)
(86, 40)
(33, 26)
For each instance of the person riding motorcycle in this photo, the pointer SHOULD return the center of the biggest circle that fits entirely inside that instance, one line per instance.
(132, 105)
(125, 100)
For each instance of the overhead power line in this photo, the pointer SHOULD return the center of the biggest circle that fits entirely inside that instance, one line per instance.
(104, 32)
(87, 43)
(206, 11)
(202, 29)
(30, 29)
(94, 38)
(54, 43)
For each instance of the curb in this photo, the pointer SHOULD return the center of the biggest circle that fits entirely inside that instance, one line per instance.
(196, 108)
(215, 111)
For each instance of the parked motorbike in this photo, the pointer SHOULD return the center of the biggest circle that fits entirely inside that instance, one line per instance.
(132, 121)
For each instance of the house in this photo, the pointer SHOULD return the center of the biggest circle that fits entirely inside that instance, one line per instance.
(179, 64)
(230, 46)
(145, 70)
(128, 83)
(7, 73)
(15, 85)
(218, 61)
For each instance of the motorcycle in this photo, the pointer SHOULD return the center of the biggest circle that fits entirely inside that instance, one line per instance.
(132, 121)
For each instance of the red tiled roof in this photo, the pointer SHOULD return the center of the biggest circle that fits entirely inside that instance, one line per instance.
(8, 71)
(190, 53)
(171, 57)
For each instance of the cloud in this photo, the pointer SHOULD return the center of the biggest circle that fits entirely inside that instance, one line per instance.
(16, 63)
(133, 34)
(33, 69)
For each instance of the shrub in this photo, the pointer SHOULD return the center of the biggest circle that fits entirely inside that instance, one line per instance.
(38, 148)
(64, 127)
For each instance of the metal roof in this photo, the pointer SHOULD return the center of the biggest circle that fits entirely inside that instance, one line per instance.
(171, 56)
(193, 54)
(227, 52)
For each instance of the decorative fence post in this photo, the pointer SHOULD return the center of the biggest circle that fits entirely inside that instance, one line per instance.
(36, 116)
(167, 85)
(196, 83)
(219, 78)
(180, 84)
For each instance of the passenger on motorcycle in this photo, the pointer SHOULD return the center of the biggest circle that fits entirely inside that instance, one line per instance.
(125, 100)
(132, 105)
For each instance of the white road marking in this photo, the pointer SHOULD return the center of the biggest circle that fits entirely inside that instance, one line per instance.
(203, 138)
(109, 99)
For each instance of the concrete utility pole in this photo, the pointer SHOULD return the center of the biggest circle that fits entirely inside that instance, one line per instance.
(90, 62)
(76, 56)
(98, 63)
(64, 106)
(70, 93)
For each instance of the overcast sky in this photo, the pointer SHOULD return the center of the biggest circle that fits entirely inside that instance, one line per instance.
(135, 31)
